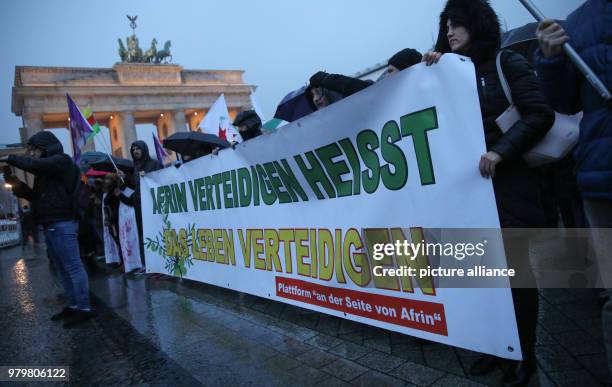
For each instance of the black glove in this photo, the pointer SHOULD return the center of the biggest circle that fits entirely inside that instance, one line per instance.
(317, 79)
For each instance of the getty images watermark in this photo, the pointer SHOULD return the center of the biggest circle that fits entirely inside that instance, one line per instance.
(490, 258)
(413, 251)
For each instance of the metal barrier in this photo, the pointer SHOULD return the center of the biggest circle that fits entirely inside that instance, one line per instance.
(10, 233)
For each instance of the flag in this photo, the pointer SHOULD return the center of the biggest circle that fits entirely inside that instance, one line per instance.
(88, 114)
(79, 129)
(217, 122)
(159, 150)
(255, 106)
(273, 125)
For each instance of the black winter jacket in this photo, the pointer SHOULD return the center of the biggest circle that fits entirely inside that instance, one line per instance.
(53, 194)
(516, 185)
(111, 214)
(146, 163)
(339, 83)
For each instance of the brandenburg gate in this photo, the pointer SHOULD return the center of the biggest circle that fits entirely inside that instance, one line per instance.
(140, 89)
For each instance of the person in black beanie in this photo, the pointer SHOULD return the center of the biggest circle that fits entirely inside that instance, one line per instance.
(346, 86)
(248, 124)
(403, 59)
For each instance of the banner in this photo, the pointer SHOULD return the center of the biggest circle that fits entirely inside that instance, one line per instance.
(295, 216)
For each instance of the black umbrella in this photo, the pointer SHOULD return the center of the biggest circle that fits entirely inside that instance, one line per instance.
(523, 40)
(295, 105)
(124, 165)
(88, 158)
(194, 144)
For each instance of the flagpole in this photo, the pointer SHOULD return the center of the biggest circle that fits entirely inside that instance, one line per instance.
(72, 107)
(580, 64)
(110, 156)
(107, 152)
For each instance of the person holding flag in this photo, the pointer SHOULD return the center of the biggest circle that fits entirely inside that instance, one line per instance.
(54, 205)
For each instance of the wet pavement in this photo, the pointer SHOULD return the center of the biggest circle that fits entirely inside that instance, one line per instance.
(157, 330)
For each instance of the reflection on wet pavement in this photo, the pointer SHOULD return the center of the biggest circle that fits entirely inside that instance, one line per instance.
(107, 351)
(167, 331)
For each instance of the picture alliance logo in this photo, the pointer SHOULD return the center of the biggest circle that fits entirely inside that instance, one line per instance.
(459, 251)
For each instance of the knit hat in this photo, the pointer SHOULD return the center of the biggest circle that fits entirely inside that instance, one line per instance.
(405, 58)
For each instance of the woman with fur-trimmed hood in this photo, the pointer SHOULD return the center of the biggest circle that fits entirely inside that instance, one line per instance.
(471, 28)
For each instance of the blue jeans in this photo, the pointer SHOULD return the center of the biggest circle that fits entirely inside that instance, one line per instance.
(63, 248)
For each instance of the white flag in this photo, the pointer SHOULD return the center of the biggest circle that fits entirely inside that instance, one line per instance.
(256, 106)
(217, 122)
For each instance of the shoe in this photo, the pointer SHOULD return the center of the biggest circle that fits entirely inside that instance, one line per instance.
(518, 374)
(80, 317)
(65, 313)
(484, 365)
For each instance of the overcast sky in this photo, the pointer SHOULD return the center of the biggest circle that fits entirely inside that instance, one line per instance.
(278, 43)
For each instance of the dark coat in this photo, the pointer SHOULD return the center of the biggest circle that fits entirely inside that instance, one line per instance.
(590, 31)
(516, 186)
(339, 83)
(56, 176)
(517, 191)
(537, 116)
(111, 214)
(146, 163)
(252, 121)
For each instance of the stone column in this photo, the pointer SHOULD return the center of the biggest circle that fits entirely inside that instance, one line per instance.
(179, 120)
(33, 125)
(128, 133)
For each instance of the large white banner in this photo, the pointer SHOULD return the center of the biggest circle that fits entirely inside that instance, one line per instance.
(293, 216)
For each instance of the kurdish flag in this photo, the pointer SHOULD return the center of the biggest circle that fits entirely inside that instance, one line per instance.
(91, 120)
(160, 152)
(217, 122)
(80, 129)
(273, 125)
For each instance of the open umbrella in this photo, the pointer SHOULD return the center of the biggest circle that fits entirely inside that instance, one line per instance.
(88, 158)
(124, 165)
(295, 105)
(522, 40)
(93, 173)
(194, 143)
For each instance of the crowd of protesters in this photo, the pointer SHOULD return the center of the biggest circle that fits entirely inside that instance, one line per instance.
(108, 206)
